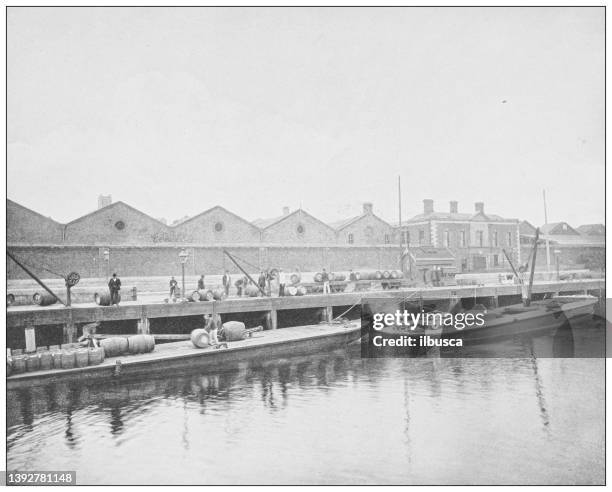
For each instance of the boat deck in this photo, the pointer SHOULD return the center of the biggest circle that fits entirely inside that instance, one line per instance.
(183, 353)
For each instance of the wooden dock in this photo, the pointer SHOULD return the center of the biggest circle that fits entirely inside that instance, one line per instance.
(29, 317)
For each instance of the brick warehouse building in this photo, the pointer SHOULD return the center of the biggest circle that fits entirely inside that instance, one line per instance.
(140, 245)
(122, 238)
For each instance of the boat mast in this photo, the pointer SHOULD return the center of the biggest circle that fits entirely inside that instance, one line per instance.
(547, 243)
(401, 232)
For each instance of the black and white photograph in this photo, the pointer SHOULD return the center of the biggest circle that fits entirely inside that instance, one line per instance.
(305, 245)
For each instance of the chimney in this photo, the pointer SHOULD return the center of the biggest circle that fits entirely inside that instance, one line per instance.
(285, 211)
(454, 207)
(104, 201)
(479, 207)
(428, 206)
(367, 208)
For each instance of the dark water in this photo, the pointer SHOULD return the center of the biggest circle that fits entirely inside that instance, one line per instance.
(331, 418)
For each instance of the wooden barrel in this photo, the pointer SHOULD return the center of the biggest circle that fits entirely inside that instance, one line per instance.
(140, 344)
(338, 277)
(206, 295)
(43, 299)
(357, 276)
(46, 360)
(82, 357)
(218, 294)
(386, 274)
(318, 277)
(19, 364)
(10, 299)
(9, 366)
(32, 362)
(200, 338)
(291, 290)
(295, 278)
(377, 275)
(57, 359)
(96, 356)
(393, 274)
(251, 291)
(68, 358)
(301, 291)
(234, 330)
(195, 296)
(104, 299)
(114, 346)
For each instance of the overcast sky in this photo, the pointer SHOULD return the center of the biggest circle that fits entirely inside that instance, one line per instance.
(177, 110)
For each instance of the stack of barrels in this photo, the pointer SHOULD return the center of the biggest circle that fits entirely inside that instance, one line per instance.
(207, 295)
(69, 356)
(135, 344)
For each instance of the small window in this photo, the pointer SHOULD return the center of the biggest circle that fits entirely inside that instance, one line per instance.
(564, 227)
(218, 226)
(463, 239)
(300, 230)
(387, 239)
(480, 236)
(447, 239)
(509, 239)
(495, 242)
(119, 225)
(351, 238)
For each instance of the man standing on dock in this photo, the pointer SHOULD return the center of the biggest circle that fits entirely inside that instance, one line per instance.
(201, 282)
(173, 284)
(325, 280)
(281, 283)
(226, 282)
(114, 286)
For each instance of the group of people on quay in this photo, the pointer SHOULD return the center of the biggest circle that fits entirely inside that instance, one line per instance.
(269, 281)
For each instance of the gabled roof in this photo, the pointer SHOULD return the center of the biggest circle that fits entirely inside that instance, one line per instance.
(592, 229)
(342, 224)
(114, 205)
(557, 228)
(267, 223)
(29, 210)
(216, 207)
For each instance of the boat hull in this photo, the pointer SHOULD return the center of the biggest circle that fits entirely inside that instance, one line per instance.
(183, 356)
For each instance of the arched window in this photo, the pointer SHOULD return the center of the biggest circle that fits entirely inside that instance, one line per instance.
(300, 230)
(351, 238)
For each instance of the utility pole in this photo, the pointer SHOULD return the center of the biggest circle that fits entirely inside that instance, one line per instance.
(401, 232)
(547, 243)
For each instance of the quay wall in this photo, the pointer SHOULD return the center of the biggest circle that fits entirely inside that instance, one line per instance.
(47, 261)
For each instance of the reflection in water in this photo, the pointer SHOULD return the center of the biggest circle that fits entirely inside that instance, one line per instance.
(330, 418)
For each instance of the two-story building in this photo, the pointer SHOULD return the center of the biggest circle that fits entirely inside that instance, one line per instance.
(477, 239)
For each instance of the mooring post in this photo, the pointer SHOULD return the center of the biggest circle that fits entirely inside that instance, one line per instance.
(143, 326)
(329, 313)
(70, 332)
(30, 339)
(273, 319)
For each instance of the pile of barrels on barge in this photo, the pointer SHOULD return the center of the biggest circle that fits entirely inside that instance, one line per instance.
(74, 355)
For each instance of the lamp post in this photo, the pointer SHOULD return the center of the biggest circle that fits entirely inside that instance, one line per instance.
(557, 255)
(183, 255)
(107, 259)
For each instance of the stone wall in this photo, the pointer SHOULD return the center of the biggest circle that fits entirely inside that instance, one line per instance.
(163, 260)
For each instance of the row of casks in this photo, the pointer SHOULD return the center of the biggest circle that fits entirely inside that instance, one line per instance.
(207, 295)
(363, 275)
(73, 355)
(55, 358)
